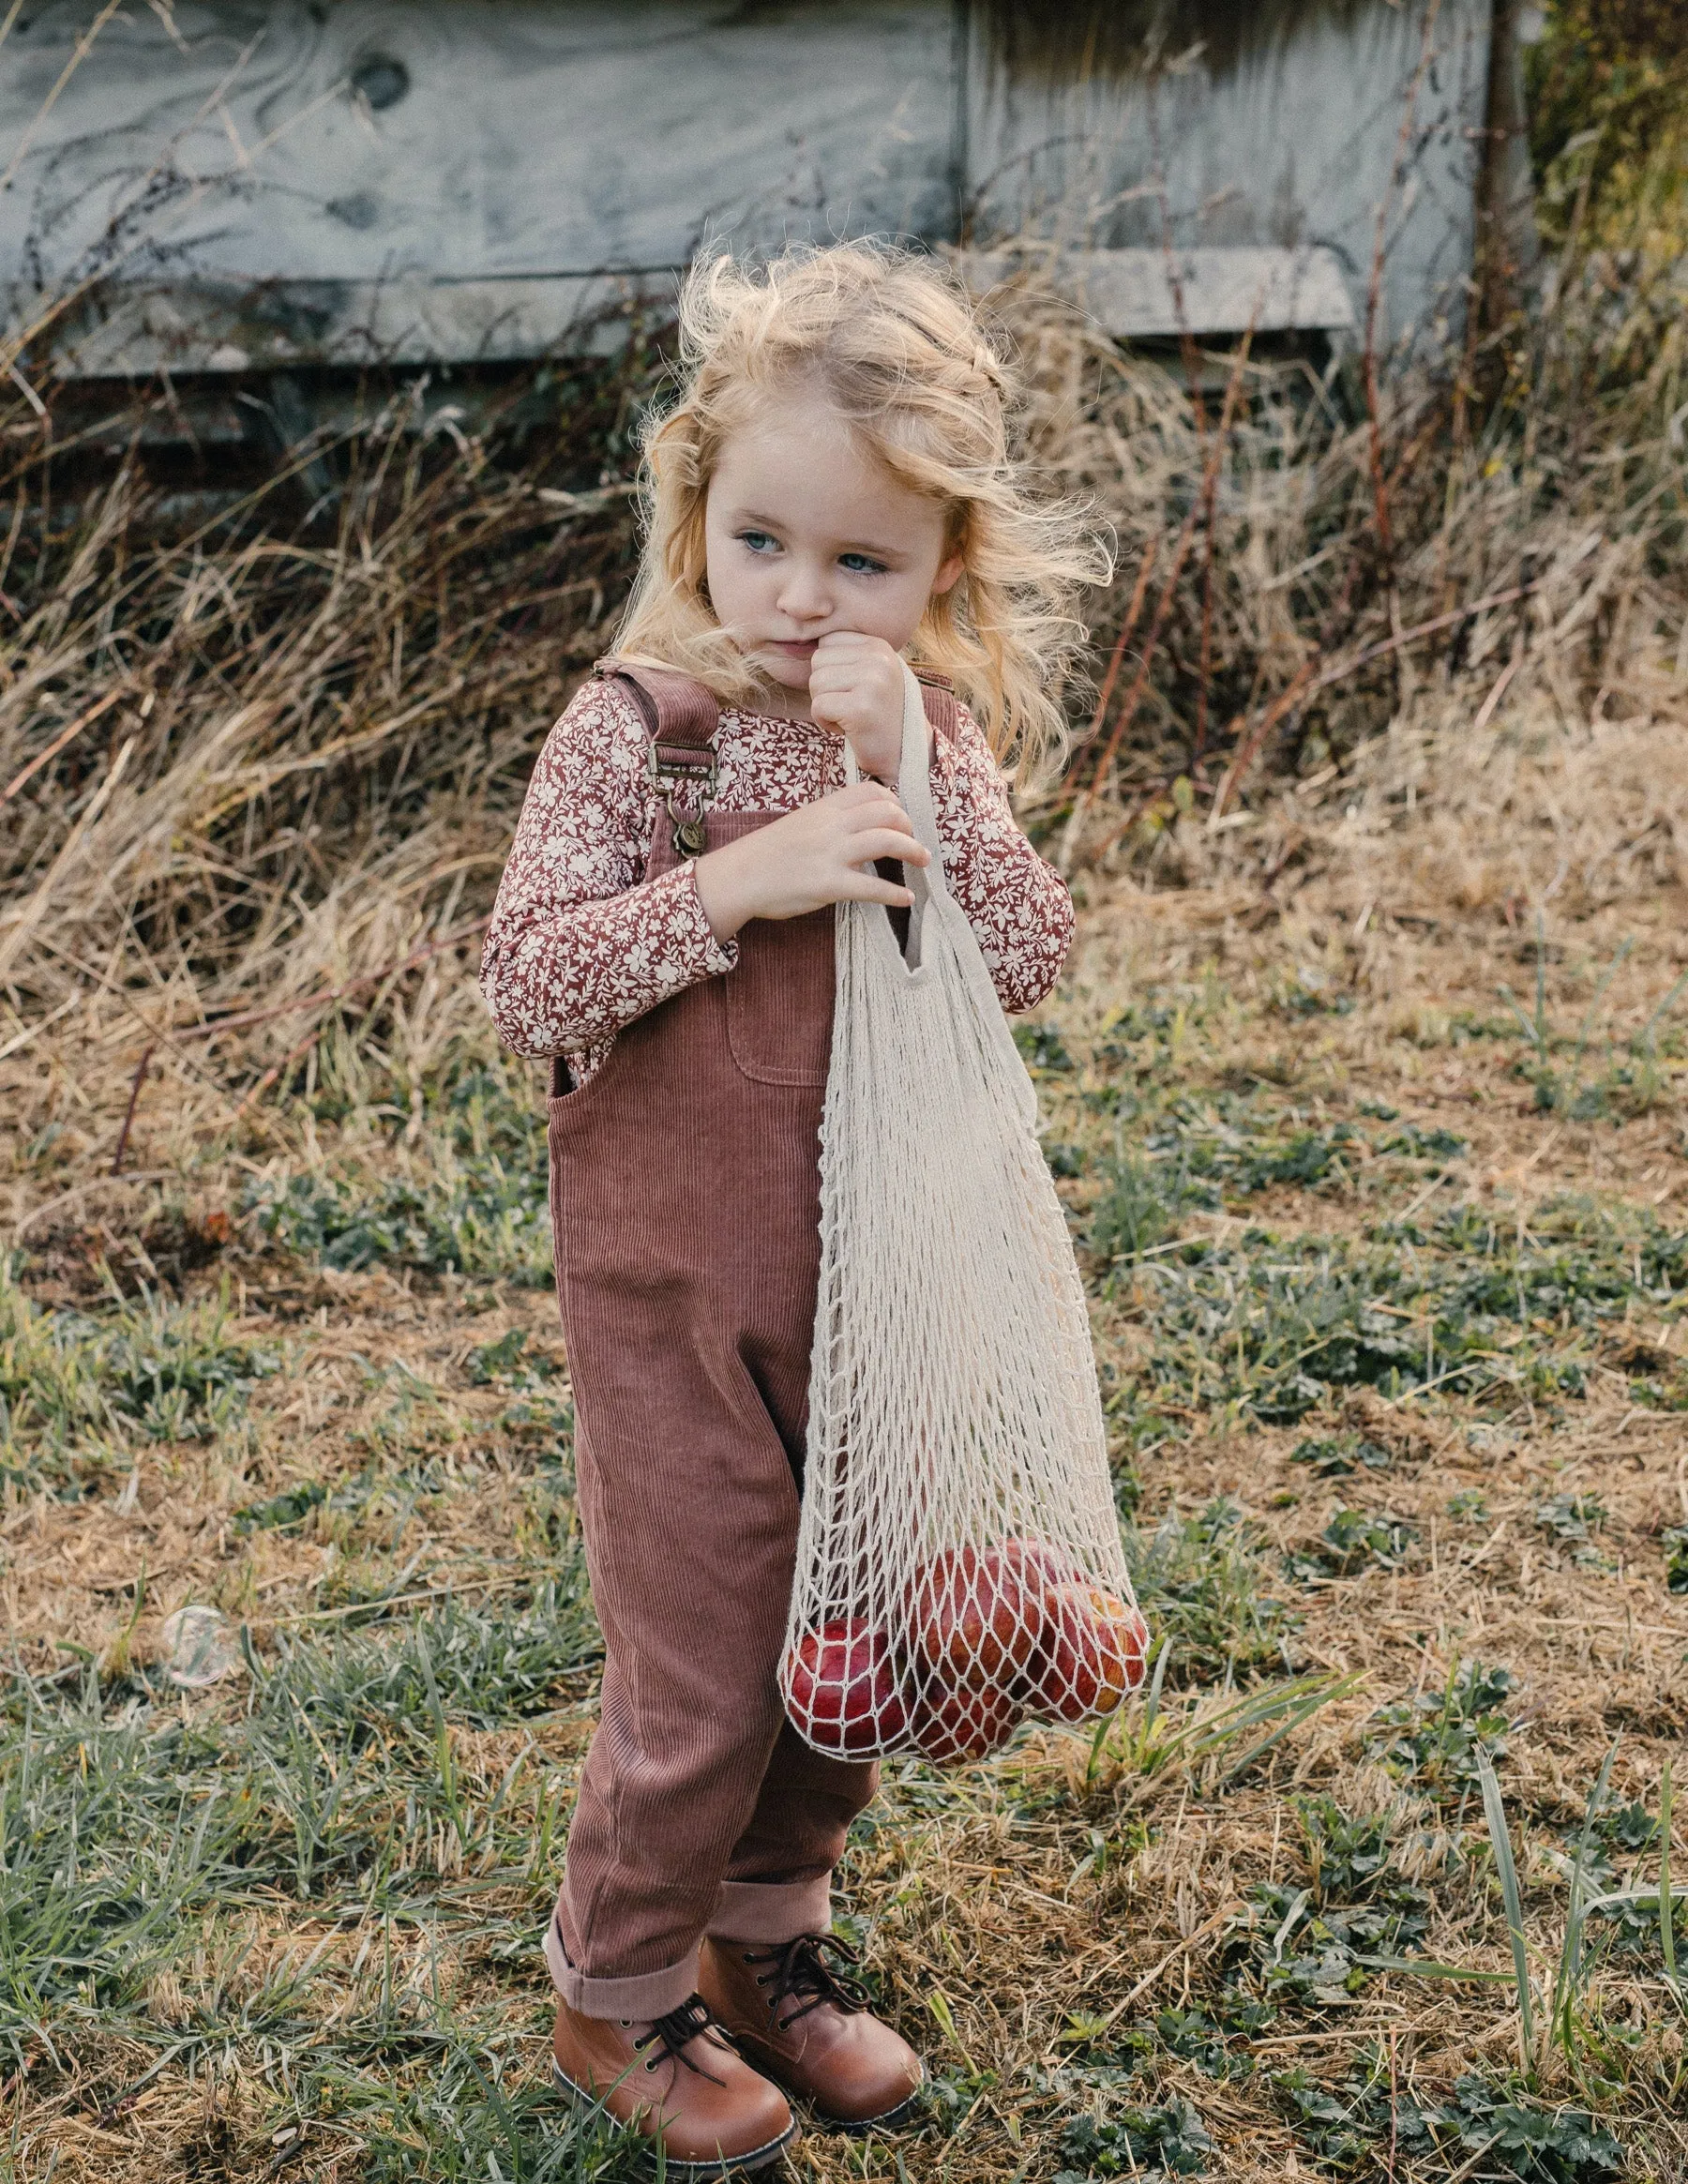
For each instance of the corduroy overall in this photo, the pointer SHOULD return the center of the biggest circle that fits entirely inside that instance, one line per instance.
(685, 1186)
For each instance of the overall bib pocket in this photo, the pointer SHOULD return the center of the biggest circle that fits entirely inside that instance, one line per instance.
(773, 1038)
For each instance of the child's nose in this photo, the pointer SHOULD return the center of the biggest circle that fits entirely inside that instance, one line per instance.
(805, 595)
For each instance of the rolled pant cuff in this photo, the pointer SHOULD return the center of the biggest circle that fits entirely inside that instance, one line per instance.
(638, 1999)
(772, 1910)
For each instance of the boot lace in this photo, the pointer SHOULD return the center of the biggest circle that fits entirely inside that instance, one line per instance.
(672, 2034)
(800, 1974)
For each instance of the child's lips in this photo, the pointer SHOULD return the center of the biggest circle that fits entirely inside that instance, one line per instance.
(794, 648)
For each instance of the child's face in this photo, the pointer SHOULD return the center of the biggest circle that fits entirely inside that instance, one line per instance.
(806, 533)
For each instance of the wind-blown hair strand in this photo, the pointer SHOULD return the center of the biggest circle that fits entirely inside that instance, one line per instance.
(895, 343)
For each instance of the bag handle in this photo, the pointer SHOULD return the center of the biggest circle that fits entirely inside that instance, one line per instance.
(914, 785)
(914, 774)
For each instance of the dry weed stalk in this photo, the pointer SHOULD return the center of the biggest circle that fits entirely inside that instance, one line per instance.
(253, 767)
(250, 767)
(1349, 534)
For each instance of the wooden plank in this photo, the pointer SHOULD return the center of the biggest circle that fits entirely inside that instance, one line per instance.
(270, 183)
(209, 326)
(234, 326)
(273, 143)
(1130, 292)
(1285, 141)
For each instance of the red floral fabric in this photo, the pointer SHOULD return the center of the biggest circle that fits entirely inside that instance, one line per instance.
(581, 944)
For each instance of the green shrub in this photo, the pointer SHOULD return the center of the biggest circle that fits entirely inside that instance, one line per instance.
(1171, 2141)
(1347, 2128)
(1433, 1739)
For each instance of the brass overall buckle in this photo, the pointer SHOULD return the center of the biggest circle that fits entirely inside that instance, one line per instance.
(667, 776)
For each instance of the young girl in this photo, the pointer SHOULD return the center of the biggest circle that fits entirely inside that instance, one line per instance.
(832, 490)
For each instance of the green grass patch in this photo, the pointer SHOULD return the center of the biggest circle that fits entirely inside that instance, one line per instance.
(1238, 1149)
(81, 1394)
(474, 1203)
(1205, 1581)
(1318, 1942)
(1433, 1739)
(1354, 1540)
(284, 1511)
(1268, 1327)
(147, 1847)
(1574, 1520)
(1352, 2126)
(1338, 1456)
(1165, 2140)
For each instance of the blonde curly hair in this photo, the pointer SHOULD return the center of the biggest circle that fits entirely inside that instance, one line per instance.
(895, 343)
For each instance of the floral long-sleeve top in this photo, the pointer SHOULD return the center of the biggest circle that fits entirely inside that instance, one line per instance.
(581, 942)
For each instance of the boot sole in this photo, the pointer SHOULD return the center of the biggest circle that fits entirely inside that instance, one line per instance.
(852, 2127)
(687, 2172)
(864, 2126)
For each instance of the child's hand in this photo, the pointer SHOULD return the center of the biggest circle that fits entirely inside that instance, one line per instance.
(856, 686)
(823, 854)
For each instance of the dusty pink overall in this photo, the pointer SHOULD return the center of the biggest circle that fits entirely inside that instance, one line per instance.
(686, 1201)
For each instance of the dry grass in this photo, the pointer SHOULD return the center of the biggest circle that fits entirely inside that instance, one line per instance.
(1008, 1912)
(278, 1341)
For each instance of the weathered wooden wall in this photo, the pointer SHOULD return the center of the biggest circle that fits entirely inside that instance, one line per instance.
(1285, 133)
(264, 182)
(357, 163)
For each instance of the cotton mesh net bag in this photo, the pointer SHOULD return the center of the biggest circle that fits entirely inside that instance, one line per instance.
(959, 1559)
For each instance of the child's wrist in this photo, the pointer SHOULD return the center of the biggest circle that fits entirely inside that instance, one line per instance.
(722, 895)
(881, 754)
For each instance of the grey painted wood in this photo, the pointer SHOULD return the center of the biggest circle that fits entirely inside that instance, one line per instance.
(462, 141)
(1208, 289)
(279, 182)
(1293, 143)
(238, 325)
(230, 327)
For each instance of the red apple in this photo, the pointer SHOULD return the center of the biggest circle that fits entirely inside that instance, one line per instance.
(1092, 1654)
(842, 1688)
(975, 1616)
(954, 1726)
(1043, 1570)
(1054, 1565)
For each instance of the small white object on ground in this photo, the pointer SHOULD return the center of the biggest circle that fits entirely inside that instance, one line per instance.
(198, 1648)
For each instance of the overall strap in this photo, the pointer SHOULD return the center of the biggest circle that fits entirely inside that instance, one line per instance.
(681, 715)
(938, 698)
(683, 721)
(683, 718)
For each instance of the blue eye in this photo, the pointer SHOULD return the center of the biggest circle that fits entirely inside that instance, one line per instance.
(861, 564)
(759, 541)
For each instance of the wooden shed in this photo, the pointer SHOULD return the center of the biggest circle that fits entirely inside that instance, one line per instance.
(232, 186)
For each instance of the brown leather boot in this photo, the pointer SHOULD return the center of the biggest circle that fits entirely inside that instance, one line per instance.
(809, 2026)
(676, 2082)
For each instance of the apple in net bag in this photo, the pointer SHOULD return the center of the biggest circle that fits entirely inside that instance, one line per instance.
(959, 1565)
